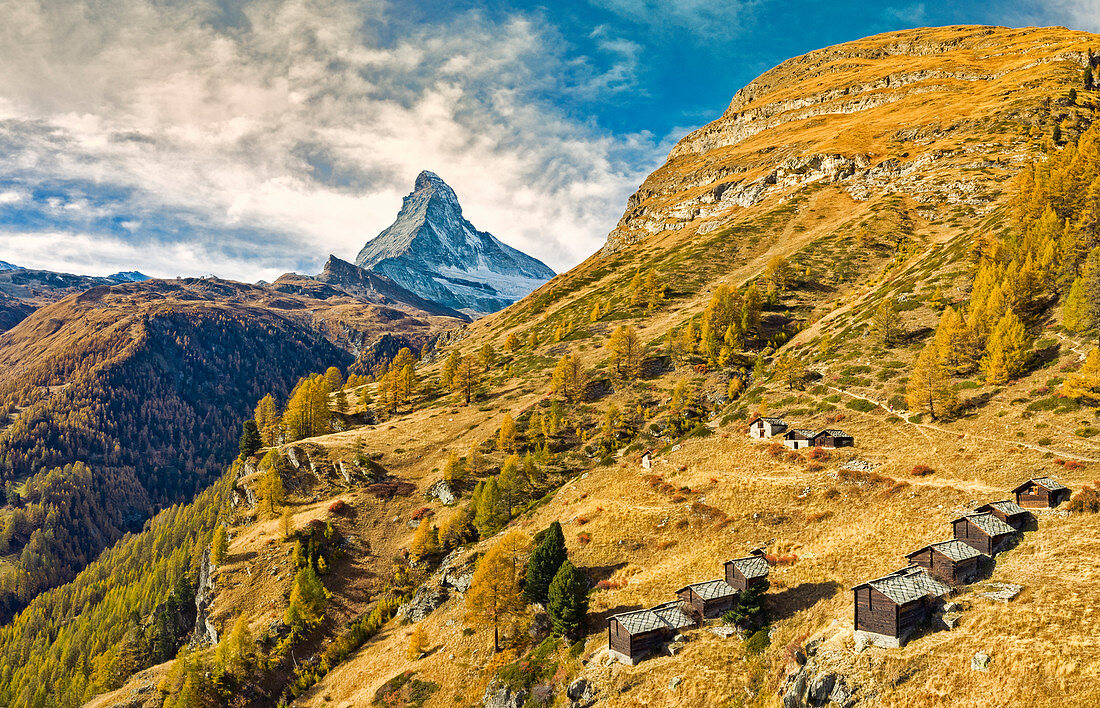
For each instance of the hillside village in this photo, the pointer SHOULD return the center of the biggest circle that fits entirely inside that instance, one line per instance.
(714, 464)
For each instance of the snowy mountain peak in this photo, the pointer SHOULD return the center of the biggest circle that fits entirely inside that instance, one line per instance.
(432, 250)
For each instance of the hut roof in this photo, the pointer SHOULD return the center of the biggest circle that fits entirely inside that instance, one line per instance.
(711, 589)
(989, 524)
(954, 549)
(801, 431)
(751, 566)
(907, 585)
(1047, 482)
(834, 433)
(668, 615)
(773, 421)
(672, 614)
(1006, 507)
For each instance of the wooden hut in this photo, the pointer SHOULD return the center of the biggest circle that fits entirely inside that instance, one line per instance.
(631, 636)
(762, 428)
(889, 609)
(1007, 511)
(750, 571)
(799, 438)
(983, 532)
(1041, 493)
(833, 438)
(709, 599)
(952, 562)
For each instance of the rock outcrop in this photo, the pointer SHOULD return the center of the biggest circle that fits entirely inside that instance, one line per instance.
(205, 634)
(435, 252)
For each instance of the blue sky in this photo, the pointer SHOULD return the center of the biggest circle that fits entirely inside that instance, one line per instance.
(246, 139)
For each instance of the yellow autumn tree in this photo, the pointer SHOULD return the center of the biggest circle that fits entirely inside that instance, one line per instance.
(569, 379)
(1084, 385)
(929, 389)
(495, 596)
(951, 340)
(626, 352)
(506, 436)
(1007, 350)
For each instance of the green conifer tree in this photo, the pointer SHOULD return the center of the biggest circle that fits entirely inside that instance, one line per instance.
(568, 601)
(544, 564)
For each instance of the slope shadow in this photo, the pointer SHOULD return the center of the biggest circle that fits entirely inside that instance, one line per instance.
(782, 605)
(596, 573)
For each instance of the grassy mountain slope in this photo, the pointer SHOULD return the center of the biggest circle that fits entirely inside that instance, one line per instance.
(873, 168)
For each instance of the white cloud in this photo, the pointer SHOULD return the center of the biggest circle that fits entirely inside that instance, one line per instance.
(296, 128)
(1075, 14)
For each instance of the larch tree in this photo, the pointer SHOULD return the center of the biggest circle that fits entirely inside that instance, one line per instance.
(307, 599)
(454, 471)
(653, 289)
(418, 642)
(512, 342)
(570, 379)
(626, 352)
(450, 366)
(506, 436)
(491, 515)
(475, 462)
(929, 388)
(637, 290)
(219, 546)
(467, 378)
(533, 339)
(272, 491)
(775, 276)
(568, 601)
(790, 370)
(886, 322)
(1084, 384)
(495, 597)
(334, 378)
(512, 484)
(487, 356)
(1007, 350)
(267, 420)
(951, 340)
(425, 541)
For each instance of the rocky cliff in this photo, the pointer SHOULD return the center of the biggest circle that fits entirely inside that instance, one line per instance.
(432, 250)
(878, 116)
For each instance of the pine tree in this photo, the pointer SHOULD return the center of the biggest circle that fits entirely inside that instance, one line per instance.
(928, 388)
(219, 546)
(250, 439)
(749, 610)
(506, 436)
(568, 601)
(491, 513)
(544, 564)
(494, 596)
(626, 352)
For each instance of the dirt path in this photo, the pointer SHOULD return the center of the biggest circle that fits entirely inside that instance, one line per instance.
(904, 415)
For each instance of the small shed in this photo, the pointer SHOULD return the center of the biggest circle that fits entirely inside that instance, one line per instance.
(709, 599)
(833, 438)
(633, 635)
(762, 428)
(750, 571)
(952, 562)
(889, 609)
(1007, 511)
(983, 532)
(1041, 493)
(799, 438)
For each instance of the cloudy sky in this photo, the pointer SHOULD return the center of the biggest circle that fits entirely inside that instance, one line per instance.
(250, 138)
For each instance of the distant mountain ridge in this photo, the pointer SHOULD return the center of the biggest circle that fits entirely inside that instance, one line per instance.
(4, 265)
(435, 252)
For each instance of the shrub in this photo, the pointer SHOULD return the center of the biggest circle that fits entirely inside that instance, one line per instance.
(777, 449)
(758, 642)
(422, 513)
(584, 538)
(819, 453)
(858, 404)
(1087, 500)
(338, 507)
(1086, 431)
(921, 470)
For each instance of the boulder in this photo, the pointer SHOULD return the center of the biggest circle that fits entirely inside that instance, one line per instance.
(581, 693)
(980, 661)
(425, 601)
(674, 648)
(820, 689)
(674, 683)
(500, 696)
(443, 492)
(540, 626)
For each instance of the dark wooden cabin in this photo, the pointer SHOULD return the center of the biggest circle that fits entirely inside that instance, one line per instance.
(952, 562)
(1007, 511)
(889, 609)
(1041, 493)
(983, 532)
(762, 428)
(750, 571)
(633, 635)
(709, 599)
(799, 438)
(833, 438)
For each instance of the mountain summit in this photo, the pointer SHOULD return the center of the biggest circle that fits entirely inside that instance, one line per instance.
(432, 250)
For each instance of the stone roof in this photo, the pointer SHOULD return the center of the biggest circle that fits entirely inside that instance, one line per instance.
(989, 524)
(908, 584)
(773, 421)
(1006, 507)
(711, 589)
(669, 615)
(751, 566)
(954, 549)
(801, 431)
(1051, 484)
(833, 432)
